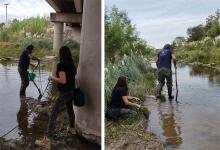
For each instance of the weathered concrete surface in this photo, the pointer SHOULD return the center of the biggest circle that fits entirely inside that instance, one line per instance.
(88, 118)
(67, 11)
(66, 17)
(58, 36)
(73, 33)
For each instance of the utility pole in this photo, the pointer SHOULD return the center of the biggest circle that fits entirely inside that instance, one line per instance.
(6, 19)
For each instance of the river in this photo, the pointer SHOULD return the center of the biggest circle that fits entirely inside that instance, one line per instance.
(15, 112)
(194, 123)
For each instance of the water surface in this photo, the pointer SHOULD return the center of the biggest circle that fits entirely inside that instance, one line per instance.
(15, 111)
(194, 123)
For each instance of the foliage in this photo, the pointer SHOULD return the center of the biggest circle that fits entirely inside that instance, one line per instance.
(203, 42)
(31, 25)
(4, 35)
(210, 29)
(206, 52)
(20, 33)
(196, 33)
(38, 43)
(121, 37)
(140, 77)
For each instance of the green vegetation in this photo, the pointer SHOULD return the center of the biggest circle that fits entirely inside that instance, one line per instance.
(202, 44)
(141, 78)
(124, 55)
(121, 37)
(36, 31)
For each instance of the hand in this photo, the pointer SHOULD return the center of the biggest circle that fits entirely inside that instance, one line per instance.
(50, 78)
(138, 106)
(136, 98)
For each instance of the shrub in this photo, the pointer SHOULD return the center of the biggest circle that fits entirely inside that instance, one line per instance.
(141, 79)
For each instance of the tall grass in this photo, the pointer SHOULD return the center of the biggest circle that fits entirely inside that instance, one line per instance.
(141, 78)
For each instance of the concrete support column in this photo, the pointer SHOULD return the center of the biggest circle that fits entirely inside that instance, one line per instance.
(58, 36)
(88, 117)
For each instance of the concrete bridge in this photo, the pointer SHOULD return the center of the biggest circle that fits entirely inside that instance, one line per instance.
(86, 15)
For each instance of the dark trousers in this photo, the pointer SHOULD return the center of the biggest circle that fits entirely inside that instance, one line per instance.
(64, 99)
(24, 80)
(164, 73)
(116, 113)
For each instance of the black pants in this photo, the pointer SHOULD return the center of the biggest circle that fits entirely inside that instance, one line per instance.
(116, 113)
(164, 73)
(63, 99)
(24, 80)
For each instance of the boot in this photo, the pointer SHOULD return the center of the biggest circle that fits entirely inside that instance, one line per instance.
(45, 143)
(170, 96)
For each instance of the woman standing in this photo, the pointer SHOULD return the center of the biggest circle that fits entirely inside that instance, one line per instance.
(65, 79)
(120, 106)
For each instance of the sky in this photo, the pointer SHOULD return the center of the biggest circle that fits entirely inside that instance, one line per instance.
(21, 9)
(160, 21)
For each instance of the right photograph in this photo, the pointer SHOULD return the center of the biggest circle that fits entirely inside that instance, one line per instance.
(162, 75)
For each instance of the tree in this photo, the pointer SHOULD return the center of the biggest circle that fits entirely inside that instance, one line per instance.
(212, 25)
(196, 33)
(121, 37)
(179, 40)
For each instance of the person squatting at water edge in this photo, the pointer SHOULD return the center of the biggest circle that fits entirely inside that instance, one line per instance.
(65, 79)
(120, 106)
(164, 58)
(23, 65)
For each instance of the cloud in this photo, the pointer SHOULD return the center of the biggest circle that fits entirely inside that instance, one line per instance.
(24, 9)
(160, 31)
(159, 22)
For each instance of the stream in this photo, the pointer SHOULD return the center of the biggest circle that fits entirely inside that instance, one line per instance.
(194, 123)
(14, 111)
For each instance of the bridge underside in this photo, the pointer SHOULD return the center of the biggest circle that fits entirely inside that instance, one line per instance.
(67, 11)
(87, 15)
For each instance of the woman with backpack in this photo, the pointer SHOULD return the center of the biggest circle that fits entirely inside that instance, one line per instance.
(65, 79)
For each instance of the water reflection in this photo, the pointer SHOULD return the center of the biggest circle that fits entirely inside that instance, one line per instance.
(22, 118)
(213, 75)
(171, 129)
(29, 123)
(194, 123)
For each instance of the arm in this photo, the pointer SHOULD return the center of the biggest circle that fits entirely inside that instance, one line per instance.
(33, 57)
(125, 99)
(132, 97)
(61, 79)
(174, 60)
(157, 61)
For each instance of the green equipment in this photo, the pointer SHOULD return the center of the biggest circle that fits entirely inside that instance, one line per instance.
(32, 76)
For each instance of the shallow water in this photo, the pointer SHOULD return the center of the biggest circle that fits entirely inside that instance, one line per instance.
(194, 123)
(14, 111)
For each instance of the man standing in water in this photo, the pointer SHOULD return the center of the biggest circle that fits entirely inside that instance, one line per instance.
(23, 65)
(165, 56)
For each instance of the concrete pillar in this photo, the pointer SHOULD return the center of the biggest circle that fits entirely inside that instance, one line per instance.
(88, 117)
(58, 36)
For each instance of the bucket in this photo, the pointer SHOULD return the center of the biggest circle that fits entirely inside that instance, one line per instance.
(31, 76)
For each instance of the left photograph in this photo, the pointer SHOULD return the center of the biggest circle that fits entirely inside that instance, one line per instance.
(50, 74)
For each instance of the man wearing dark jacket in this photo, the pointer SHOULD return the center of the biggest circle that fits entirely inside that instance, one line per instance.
(23, 65)
(165, 56)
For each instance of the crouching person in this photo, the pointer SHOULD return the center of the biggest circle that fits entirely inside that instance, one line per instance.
(120, 106)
